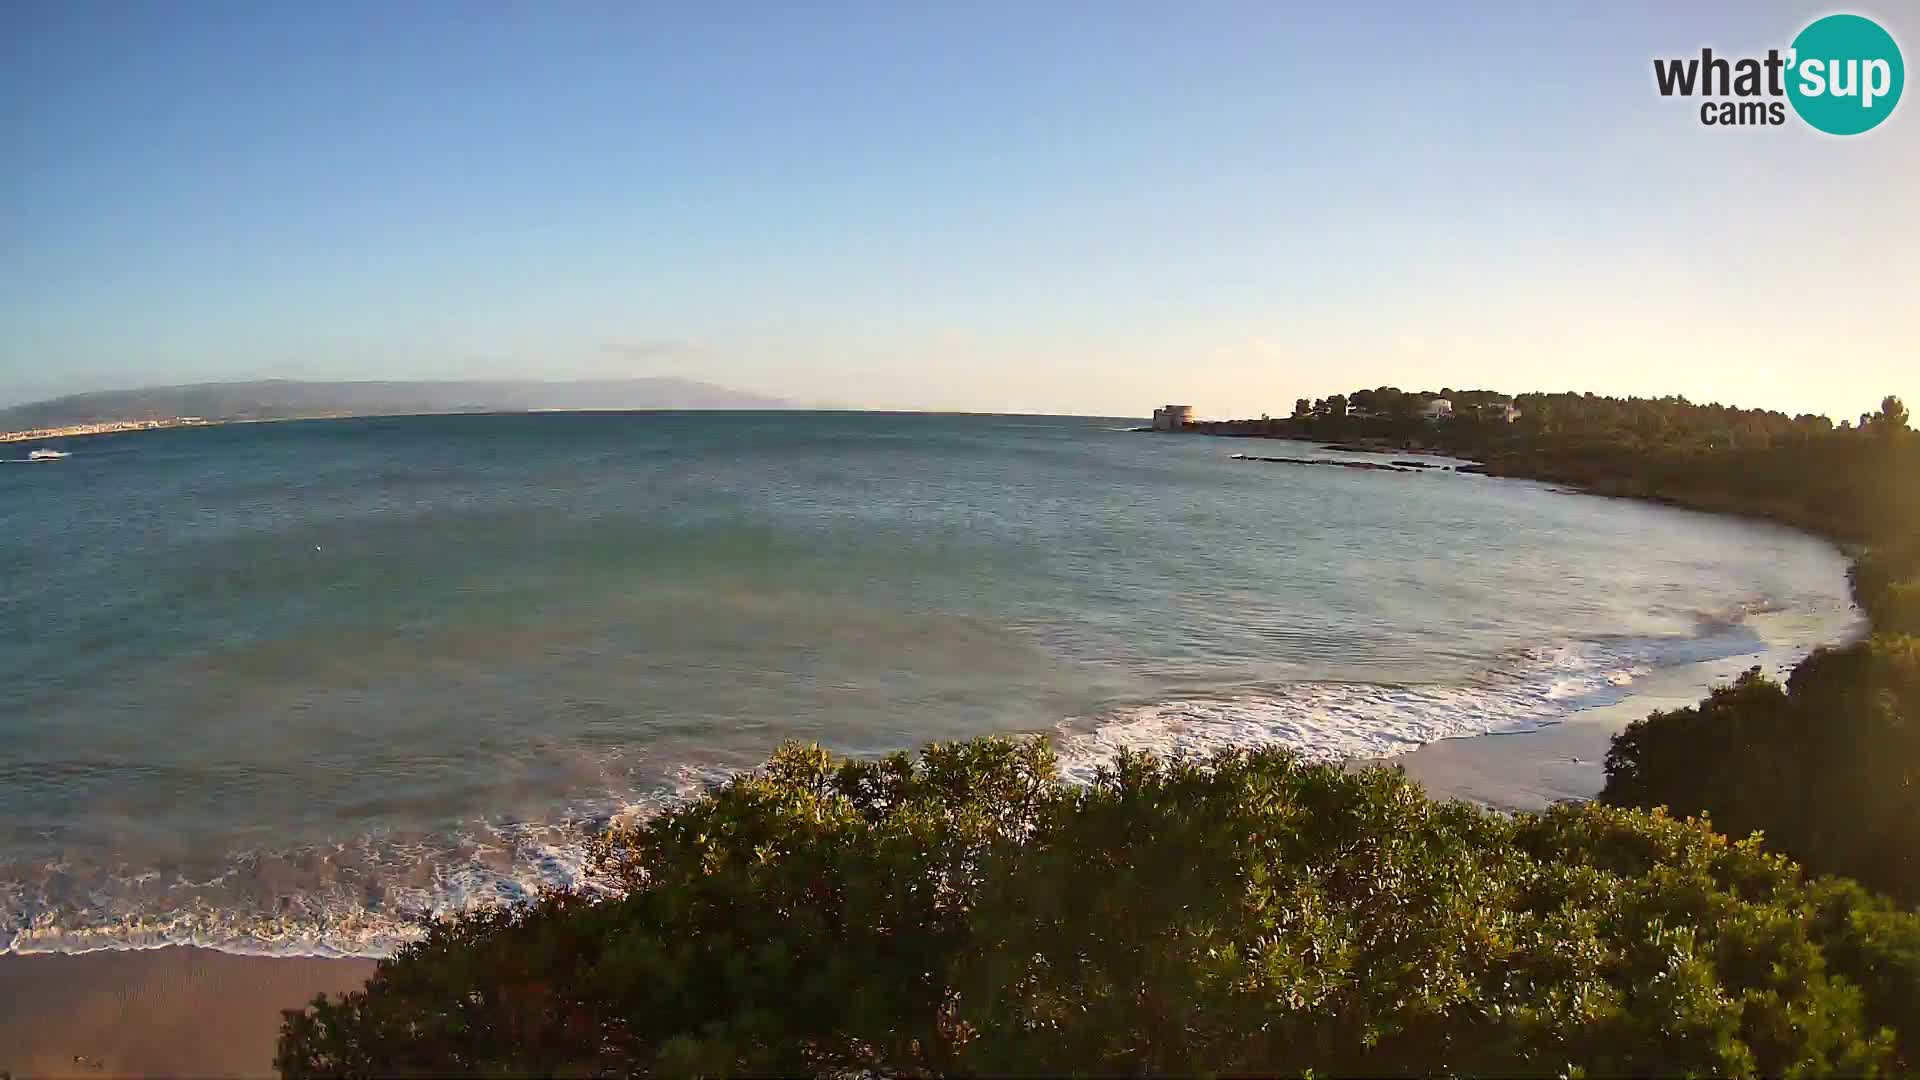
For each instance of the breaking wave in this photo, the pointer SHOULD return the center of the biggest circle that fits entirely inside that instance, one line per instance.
(372, 895)
(1339, 721)
(365, 897)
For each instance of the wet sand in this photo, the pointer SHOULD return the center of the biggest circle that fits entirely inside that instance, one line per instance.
(1532, 770)
(1529, 770)
(155, 1012)
(194, 1012)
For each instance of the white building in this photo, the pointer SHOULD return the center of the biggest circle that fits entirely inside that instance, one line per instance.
(1172, 417)
(1437, 409)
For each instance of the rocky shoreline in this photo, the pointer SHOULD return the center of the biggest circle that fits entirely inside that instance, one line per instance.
(1370, 466)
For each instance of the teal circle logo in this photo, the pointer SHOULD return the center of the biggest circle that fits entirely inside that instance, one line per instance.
(1845, 74)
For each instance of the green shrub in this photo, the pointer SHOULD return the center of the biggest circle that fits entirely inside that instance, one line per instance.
(965, 911)
(1826, 767)
(1886, 585)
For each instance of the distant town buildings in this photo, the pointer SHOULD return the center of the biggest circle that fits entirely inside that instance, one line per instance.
(106, 427)
(1172, 417)
(1437, 409)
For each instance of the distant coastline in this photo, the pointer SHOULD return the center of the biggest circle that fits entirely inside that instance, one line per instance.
(1803, 471)
(109, 427)
(105, 411)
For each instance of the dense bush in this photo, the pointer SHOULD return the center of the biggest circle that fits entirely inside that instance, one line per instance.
(967, 912)
(1886, 584)
(1827, 767)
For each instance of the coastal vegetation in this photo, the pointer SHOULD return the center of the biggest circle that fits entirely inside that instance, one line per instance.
(967, 911)
(1853, 483)
(1740, 900)
(1825, 767)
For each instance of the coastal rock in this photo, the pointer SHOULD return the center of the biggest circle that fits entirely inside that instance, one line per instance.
(1370, 466)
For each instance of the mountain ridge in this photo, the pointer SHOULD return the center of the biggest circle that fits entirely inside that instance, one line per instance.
(289, 399)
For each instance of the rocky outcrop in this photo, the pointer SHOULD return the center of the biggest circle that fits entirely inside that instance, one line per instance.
(1370, 466)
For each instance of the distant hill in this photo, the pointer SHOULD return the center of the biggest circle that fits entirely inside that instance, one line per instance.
(281, 399)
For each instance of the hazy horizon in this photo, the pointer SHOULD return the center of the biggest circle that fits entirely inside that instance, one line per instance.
(1083, 211)
(777, 404)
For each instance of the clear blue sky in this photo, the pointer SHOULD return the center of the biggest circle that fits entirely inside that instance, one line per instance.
(1085, 207)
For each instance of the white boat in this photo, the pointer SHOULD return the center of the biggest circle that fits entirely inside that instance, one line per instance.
(47, 455)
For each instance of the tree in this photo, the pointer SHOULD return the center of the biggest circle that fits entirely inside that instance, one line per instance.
(967, 912)
(1892, 419)
(1827, 767)
(1302, 407)
(1337, 406)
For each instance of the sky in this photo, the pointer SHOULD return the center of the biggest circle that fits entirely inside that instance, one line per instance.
(1064, 206)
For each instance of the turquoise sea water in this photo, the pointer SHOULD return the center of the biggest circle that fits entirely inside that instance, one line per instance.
(292, 687)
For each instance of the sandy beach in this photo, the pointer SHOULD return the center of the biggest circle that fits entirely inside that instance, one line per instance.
(1532, 770)
(155, 1012)
(195, 1012)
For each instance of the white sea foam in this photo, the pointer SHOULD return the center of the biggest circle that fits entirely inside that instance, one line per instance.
(371, 896)
(1334, 721)
(366, 897)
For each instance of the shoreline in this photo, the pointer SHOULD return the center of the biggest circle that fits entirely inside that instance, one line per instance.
(1848, 545)
(1532, 769)
(145, 1012)
(178, 1010)
(109, 427)
(124, 427)
(191, 1010)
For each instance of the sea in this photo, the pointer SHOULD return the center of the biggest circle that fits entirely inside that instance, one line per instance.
(298, 688)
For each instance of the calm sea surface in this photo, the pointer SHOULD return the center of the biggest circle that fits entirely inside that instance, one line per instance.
(290, 687)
